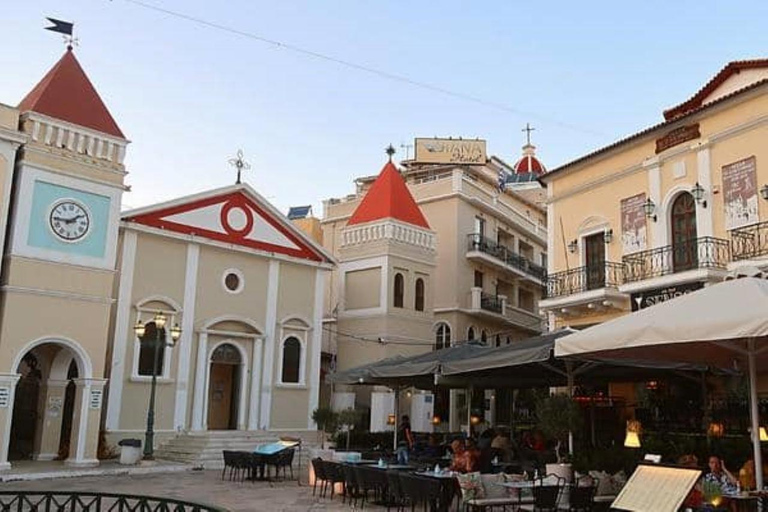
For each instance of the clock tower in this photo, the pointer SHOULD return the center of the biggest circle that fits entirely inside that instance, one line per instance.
(59, 266)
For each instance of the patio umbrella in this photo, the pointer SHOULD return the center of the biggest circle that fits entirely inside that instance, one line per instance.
(719, 325)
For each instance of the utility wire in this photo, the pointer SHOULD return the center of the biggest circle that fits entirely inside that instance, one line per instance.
(360, 67)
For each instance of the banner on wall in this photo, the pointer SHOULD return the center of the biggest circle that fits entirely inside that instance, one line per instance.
(740, 193)
(634, 230)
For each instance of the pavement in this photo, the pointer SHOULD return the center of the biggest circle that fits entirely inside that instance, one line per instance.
(198, 486)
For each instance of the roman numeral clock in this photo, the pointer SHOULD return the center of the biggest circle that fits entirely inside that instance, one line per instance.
(69, 220)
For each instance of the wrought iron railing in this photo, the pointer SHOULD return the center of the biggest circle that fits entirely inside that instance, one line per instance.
(704, 252)
(491, 303)
(43, 501)
(590, 277)
(477, 242)
(749, 241)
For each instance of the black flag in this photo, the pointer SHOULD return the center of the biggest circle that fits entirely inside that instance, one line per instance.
(63, 27)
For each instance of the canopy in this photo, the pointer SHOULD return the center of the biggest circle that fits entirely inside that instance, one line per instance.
(717, 325)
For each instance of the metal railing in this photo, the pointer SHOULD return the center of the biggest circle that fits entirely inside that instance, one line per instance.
(590, 277)
(477, 242)
(491, 303)
(47, 501)
(698, 253)
(749, 241)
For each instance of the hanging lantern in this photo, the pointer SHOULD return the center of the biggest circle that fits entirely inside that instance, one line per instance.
(632, 440)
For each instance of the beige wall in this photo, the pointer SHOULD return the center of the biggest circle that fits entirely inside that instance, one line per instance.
(362, 288)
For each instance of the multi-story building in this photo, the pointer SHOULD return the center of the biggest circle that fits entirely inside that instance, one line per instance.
(665, 211)
(483, 281)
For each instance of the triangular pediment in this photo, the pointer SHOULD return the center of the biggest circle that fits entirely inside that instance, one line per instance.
(236, 216)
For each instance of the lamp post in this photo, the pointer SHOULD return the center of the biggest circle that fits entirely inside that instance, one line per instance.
(156, 343)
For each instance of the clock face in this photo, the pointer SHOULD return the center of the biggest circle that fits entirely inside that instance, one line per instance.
(69, 220)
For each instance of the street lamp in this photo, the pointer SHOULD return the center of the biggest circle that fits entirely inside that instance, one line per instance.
(158, 341)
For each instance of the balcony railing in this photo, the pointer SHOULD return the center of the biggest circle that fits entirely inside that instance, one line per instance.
(477, 242)
(749, 241)
(700, 253)
(492, 303)
(591, 277)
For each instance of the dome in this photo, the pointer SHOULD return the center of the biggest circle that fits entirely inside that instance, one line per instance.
(529, 164)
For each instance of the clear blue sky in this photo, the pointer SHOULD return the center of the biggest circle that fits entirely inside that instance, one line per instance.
(583, 73)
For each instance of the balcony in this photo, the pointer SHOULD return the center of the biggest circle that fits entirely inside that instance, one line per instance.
(583, 279)
(497, 307)
(749, 242)
(701, 254)
(491, 253)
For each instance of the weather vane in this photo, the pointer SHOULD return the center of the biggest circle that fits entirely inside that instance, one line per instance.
(239, 164)
(528, 131)
(390, 151)
(66, 28)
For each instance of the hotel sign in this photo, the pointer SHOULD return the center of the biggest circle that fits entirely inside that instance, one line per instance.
(677, 136)
(648, 298)
(450, 151)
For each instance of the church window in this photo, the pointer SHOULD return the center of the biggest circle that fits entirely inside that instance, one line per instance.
(147, 346)
(483, 336)
(233, 280)
(399, 290)
(471, 333)
(419, 298)
(442, 336)
(291, 371)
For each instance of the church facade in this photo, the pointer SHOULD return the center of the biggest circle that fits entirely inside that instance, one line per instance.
(244, 285)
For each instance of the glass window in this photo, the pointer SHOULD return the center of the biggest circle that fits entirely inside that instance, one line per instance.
(399, 290)
(147, 347)
(471, 333)
(419, 298)
(478, 279)
(480, 226)
(442, 336)
(291, 360)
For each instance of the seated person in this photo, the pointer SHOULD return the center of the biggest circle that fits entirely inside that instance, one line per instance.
(458, 463)
(695, 498)
(719, 474)
(471, 456)
(486, 438)
(503, 446)
(747, 473)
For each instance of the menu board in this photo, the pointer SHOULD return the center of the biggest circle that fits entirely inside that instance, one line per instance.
(740, 193)
(634, 230)
(654, 488)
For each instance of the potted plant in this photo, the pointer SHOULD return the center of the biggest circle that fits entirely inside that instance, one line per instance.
(325, 419)
(347, 420)
(557, 415)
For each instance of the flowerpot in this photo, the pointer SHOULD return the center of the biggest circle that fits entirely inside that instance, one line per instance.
(561, 470)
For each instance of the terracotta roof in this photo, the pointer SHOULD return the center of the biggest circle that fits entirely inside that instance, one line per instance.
(66, 93)
(728, 71)
(529, 164)
(389, 198)
(651, 129)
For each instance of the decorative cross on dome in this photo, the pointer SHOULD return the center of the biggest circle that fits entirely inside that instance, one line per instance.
(239, 164)
(528, 129)
(390, 151)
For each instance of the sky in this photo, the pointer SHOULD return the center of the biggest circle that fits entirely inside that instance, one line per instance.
(188, 95)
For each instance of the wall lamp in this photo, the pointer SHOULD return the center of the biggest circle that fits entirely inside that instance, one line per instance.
(698, 194)
(764, 192)
(572, 246)
(650, 209)
(608, 236)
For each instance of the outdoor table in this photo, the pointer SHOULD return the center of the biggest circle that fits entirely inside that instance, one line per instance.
(745, 502)
(361, 462)
(395, 467)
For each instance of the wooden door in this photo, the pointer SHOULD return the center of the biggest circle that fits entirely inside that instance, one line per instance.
(684, 249)
(220, 396)
(595, 260)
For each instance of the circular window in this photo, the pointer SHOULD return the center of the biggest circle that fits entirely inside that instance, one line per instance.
(233, 281)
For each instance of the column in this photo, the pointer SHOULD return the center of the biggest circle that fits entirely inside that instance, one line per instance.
(200, 377)
(8, 383)
(84, 443)
(269, 344)
(256, 370)
(53, 415)
(316, 348)
(187, 337)
(704, 222)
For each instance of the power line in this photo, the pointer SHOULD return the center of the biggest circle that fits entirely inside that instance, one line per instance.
(361, 67)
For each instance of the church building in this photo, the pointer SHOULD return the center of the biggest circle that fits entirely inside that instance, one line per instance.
(244, 285)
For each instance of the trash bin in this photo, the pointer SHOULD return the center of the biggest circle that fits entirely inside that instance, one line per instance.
(130, 451)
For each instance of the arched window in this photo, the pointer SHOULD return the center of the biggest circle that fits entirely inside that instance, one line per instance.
(291, 361)
(684, 246)
(471, 333)
(498, 340)
(147, 346)
(483, 336)
(509, 340)
(399, 290)
(442, 336)
(418, 302)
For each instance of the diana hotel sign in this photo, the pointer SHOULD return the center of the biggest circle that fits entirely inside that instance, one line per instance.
(450, 151)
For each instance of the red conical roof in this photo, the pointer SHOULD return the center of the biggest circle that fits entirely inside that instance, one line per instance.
(66, 93)
(389, 198)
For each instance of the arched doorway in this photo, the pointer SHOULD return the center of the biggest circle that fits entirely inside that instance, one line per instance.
(684, 247)
(43, 408)
(224, 387)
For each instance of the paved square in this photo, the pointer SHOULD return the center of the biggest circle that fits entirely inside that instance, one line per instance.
(202, 487)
